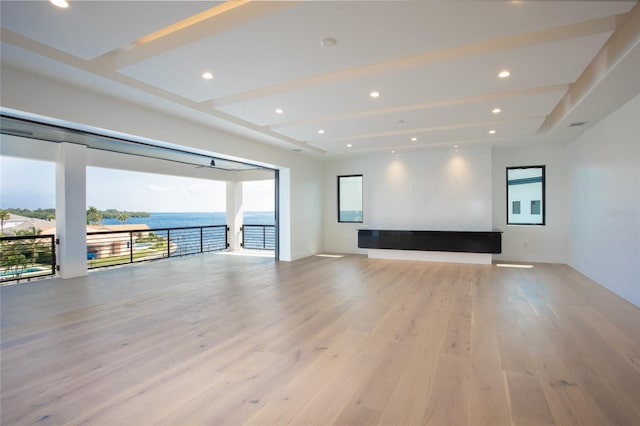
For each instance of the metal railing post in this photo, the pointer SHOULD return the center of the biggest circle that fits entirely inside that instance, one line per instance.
(130, 247)
(168, 243)
(54, 255)
(201, 241)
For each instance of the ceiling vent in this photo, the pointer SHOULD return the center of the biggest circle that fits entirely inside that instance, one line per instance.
(577, 124)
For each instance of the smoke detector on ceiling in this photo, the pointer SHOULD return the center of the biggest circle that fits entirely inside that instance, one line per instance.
(328, 42)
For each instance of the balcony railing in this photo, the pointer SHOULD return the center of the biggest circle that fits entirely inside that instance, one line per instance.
(258, 237)
(110, 248)
(26, 257)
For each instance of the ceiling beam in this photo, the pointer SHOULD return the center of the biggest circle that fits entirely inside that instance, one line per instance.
(95, 68)
(436, 128)
(216, 20)
(564, 32)
(422, 106)
(623, 41)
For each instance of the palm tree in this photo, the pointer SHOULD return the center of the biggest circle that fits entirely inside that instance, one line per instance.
(33, 231)
(15, 264)
(122, 217)
(29, 247)
(4, 215)
(93, 216)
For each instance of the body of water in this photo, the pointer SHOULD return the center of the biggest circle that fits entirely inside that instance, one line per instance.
(158, 220)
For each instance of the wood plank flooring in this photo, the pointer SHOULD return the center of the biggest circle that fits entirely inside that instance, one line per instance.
(230, 340)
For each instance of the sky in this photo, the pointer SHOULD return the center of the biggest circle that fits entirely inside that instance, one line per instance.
(30, 184)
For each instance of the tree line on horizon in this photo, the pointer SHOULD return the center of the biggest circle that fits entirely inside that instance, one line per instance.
(94, 215)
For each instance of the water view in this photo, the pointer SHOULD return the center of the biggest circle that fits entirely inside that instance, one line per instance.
(158, 220)
(27, 245)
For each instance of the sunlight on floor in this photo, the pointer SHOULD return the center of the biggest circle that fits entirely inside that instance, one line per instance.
(249, 253)
(513, 265)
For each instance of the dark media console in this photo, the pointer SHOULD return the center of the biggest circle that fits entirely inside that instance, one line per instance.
(449, 241)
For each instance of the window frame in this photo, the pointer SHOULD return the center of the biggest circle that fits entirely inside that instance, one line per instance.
(339, 177)
(543, 196)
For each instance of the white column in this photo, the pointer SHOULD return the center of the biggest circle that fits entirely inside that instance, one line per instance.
(284, 227)
(71, 210)
(234, 214)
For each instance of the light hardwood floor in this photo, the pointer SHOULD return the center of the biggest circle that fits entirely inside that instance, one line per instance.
(226, 340)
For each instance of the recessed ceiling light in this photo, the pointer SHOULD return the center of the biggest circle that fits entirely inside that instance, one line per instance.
(207, 75)
(279, 111)
(374, 94)
(504, 74)
(455, 146)
(328, 42)
(393, 152)
(349, 145)
(496, 110)
(414, 139)
(492, 132)
(321, 131)
(60, 3)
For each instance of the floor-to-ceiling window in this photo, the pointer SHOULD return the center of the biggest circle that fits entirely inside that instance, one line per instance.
(27, 218)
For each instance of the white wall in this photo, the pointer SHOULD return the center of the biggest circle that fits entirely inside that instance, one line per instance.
(604, 179)
(306, 213)
(527, 243)
(422, 190)
(32, 93)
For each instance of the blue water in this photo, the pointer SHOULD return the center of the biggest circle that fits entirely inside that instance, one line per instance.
(19, 271)
(159, 220)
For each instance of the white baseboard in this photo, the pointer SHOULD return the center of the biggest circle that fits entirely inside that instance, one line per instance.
(431, 256)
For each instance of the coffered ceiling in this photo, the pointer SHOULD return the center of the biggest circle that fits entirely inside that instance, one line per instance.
(300, 75)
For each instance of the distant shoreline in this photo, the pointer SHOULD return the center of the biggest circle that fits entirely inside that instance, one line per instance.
(158, 220)
(154, 220)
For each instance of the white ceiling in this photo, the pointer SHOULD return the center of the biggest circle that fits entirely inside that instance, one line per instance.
(435, 64)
